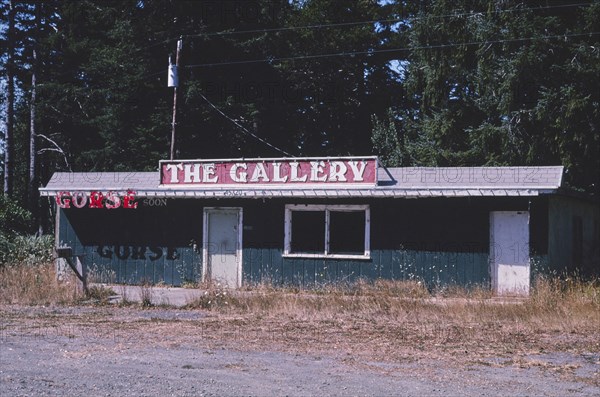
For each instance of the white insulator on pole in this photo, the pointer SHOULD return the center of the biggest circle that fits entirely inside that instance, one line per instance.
(173, 78)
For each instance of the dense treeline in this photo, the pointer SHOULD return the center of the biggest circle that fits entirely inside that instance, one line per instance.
(432, 82)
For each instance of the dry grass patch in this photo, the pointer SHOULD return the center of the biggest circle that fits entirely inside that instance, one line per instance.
(212, 296)
(382, 318)
(146, 293)
(382, 321)
(100, 293)
(35, 285)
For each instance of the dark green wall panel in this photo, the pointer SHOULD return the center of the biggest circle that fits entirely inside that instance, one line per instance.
(407, 242)
(434, 268)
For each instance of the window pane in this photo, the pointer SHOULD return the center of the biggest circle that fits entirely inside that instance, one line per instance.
(347, 232)
(308, 232)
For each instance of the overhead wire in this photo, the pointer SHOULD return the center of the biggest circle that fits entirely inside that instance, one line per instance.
(390, 20)
(388, 50)
(354, 53)
(341, 24)
(244, 129)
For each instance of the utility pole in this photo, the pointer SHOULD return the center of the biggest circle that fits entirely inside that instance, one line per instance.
(174, 82)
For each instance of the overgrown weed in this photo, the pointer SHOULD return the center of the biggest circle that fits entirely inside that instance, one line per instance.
(146, 293)
(100, 293)
(212, 296)
(125, 298)
(36, 285)
(555, 305)
(565, 305)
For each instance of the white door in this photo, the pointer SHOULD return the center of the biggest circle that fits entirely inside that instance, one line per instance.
(222, 250)
(509, 252)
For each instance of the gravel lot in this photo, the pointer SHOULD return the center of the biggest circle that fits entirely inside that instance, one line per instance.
(114, 351)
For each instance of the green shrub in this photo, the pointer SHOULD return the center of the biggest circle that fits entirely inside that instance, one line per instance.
(15, 247)
(13, 218)
(26, 250)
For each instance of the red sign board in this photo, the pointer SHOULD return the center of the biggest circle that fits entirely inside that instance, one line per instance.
(305, 171)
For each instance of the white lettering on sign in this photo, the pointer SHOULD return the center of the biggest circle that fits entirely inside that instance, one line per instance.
(260, 174)
(323, 171)
(316, 171)
(337, 171)
(294, 177)
(356, 170)
(209, 173)
(277, 173)
(173, 169)
(191, 173)
(239, 176)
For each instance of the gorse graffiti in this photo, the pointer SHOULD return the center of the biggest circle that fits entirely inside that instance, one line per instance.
(152, 253)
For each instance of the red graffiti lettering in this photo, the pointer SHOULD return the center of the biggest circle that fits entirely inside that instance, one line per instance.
(129, 200)
(95, 199)
(63, 199)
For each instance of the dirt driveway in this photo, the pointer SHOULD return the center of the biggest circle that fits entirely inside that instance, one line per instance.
(129, 351)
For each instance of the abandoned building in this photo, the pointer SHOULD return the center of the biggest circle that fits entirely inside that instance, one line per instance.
(306, 221)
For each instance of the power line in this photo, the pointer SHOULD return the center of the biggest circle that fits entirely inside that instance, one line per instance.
(341, 24)
(373, 51)
(165, 41)
(244, 129)
(392, 20)
(388, 50)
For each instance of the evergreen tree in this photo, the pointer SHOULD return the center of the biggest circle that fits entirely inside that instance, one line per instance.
(507, 83)
(337, 94)
(434, 82)
(385, 140)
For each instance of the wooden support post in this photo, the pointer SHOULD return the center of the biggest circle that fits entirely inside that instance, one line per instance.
(75, 264)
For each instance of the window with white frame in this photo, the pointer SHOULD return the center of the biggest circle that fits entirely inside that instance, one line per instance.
(336, 231)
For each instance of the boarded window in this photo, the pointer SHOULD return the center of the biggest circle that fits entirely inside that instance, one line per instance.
(327, 230)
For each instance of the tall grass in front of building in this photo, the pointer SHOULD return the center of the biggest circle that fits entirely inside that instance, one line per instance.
(27, 272)
(24, 250)
(28, 275)
(386, 296)
(555, 305)
(35, 285)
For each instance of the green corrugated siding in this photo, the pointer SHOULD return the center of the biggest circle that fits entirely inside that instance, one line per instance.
(398, 252)
(127, 257)
(540, 266)
(268, 266)
(561, 212)
(186, 268)
(434, 268)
